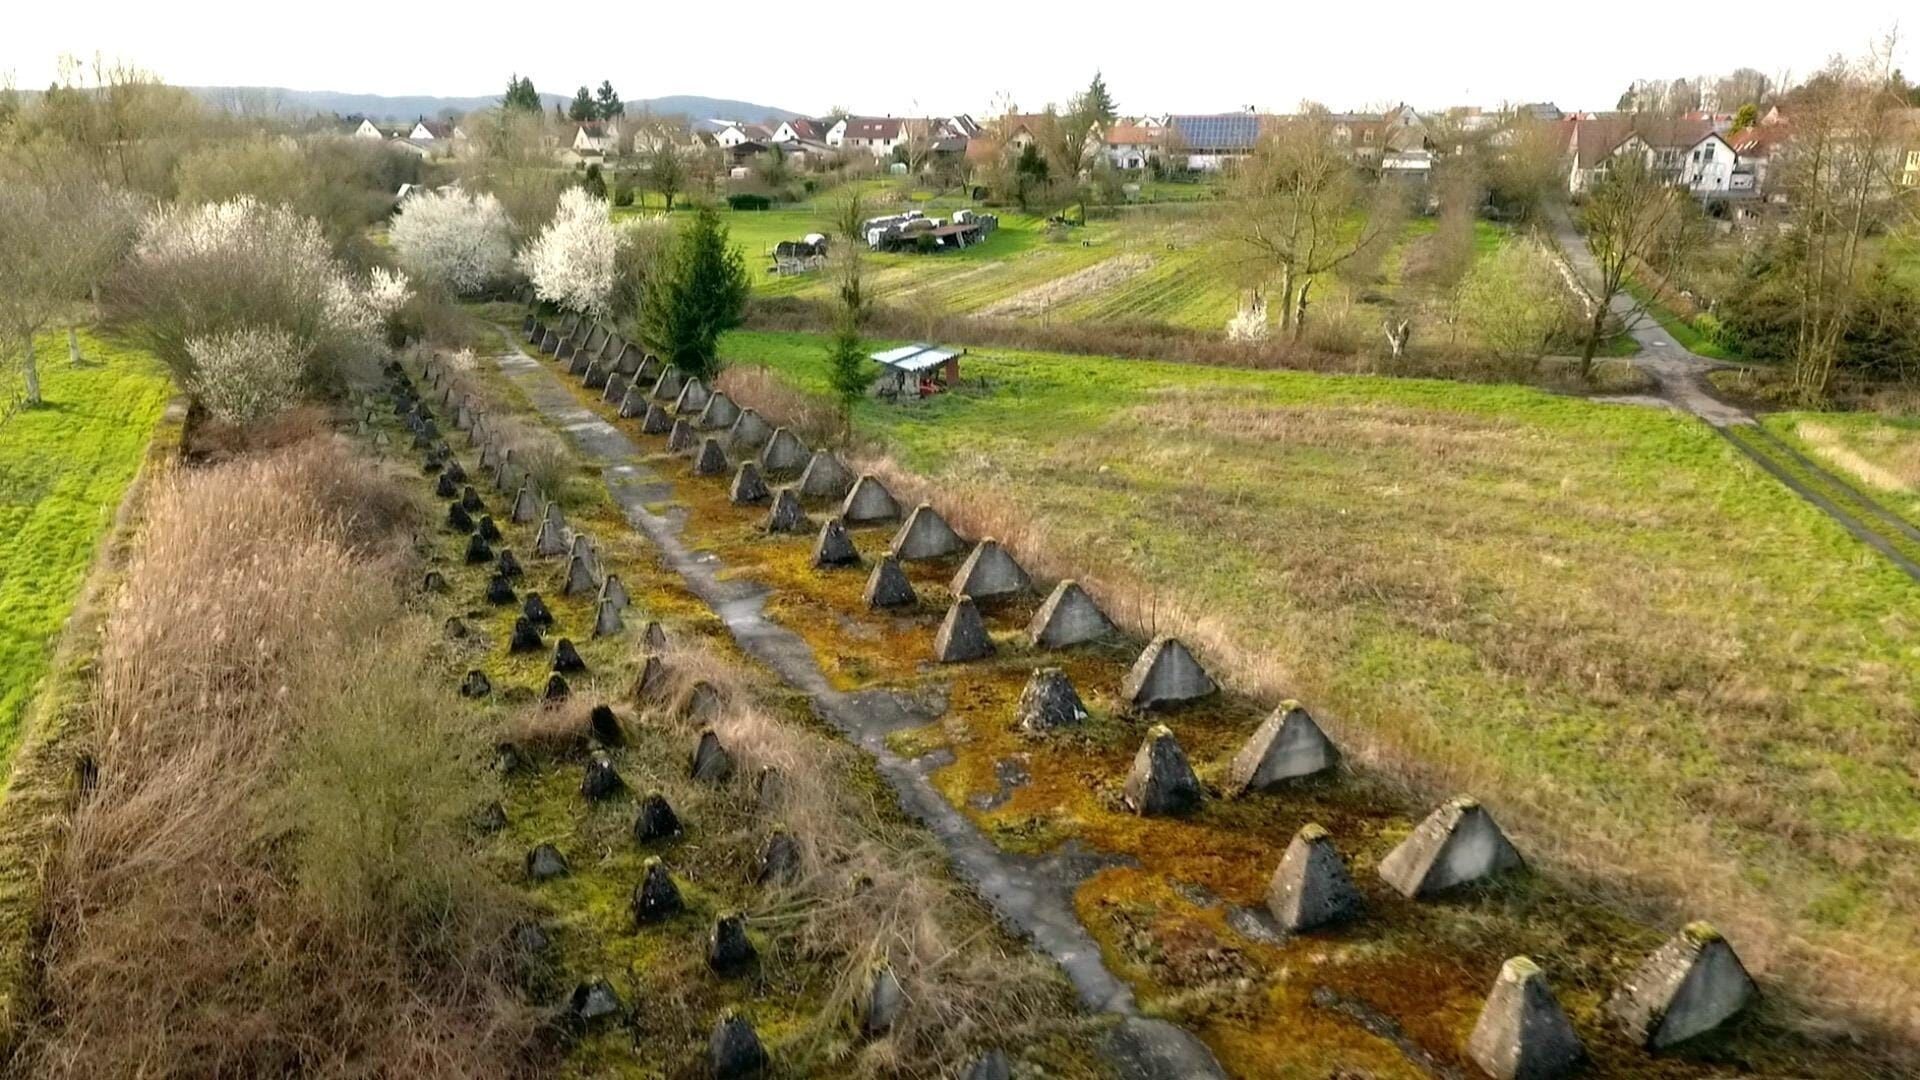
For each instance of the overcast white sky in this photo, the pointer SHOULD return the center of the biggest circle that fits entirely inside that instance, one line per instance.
(878, 57)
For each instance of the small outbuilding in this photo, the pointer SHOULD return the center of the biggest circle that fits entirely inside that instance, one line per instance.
(918, 370)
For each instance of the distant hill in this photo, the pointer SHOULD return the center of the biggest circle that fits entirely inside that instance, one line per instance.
(379, 107)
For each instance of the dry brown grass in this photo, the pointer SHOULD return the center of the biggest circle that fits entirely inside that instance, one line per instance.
(872, 891)
(811, 417)
(267, 880)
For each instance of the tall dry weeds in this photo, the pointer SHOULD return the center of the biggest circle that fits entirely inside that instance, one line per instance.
(265, 880)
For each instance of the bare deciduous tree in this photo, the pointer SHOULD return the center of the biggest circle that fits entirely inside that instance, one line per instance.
(1841, 178)
(1303, 210)
(58, 238)
(1633, 215)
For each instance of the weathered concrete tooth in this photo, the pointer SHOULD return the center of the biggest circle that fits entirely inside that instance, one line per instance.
(550, 341)
(779, 861)
(1068, 617)
(748, 489)
(534, 610)
(711, 461)
(1165, 675)
(749, 433)
(1311, 888)
(595, 374)
(729, 952)
(649, 370)
(594, 1002)
(719, 412)
(691, 399)
(1522, 1033)
(526, 636)
(545, 862)
(499, 590)
(478, 551)
(656, 821)
(1286, 746)
(657, 421)
(1161, 782)
(825, 477)
(680, 439)
(734, 1051)
(476, 684)
(647, 685)
(507, 566)
(613, 591)
(926, 535)
(607, 619)
(567, 659)
(962, 635)
(1049, 701)
(656, 897)
(1458, 844)
(885, 1002)
(536, 331)
(616, 389)
(668, 386)
(600, 780)
(552, 515)
(990, 573)
(888, 586)
(634, 403)
(604, 725)
(557, 688)
(526, 506)
(655, 636)
(1687, 987)
(580, 576)
(712, 762)
(579, 365)
(833, 547)
(550, 541)
(868, 502)
(566, 351)
(786, 514)
(784, 452)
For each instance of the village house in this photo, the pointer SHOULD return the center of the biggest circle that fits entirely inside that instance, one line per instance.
(1209, 143)
(732, 135)
(597, 137)
(1135, 143)
(1688, 152)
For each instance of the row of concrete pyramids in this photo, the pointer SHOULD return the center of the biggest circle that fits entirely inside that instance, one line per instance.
(1457, 845)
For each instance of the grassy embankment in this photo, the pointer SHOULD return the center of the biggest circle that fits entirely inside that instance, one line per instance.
(63, 468)
(1659, 663)
(1880, 454)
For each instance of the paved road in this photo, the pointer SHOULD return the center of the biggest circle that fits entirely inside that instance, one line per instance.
(1681, 373)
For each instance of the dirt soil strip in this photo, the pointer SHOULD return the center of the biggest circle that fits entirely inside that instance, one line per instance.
(1033, 894)
(1860, 530)
(1043, 297)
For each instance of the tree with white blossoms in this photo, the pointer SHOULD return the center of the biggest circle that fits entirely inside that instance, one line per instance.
(245, 375)
(448, 237)
(574, 262)
(203, 271)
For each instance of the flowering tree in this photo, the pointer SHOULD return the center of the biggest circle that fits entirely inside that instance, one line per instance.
(574, 262)
(462, 241)
(205, 271)
(245, 375)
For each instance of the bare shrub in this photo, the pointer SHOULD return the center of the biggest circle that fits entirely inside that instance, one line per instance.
(266, 880)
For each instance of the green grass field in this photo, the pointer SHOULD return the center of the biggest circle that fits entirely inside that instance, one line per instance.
(63, 468)
(1597, 617)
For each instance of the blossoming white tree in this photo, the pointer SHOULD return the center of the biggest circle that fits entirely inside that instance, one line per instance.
(461, 241)
(574, 262)
(245, 375)
(203, 273)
